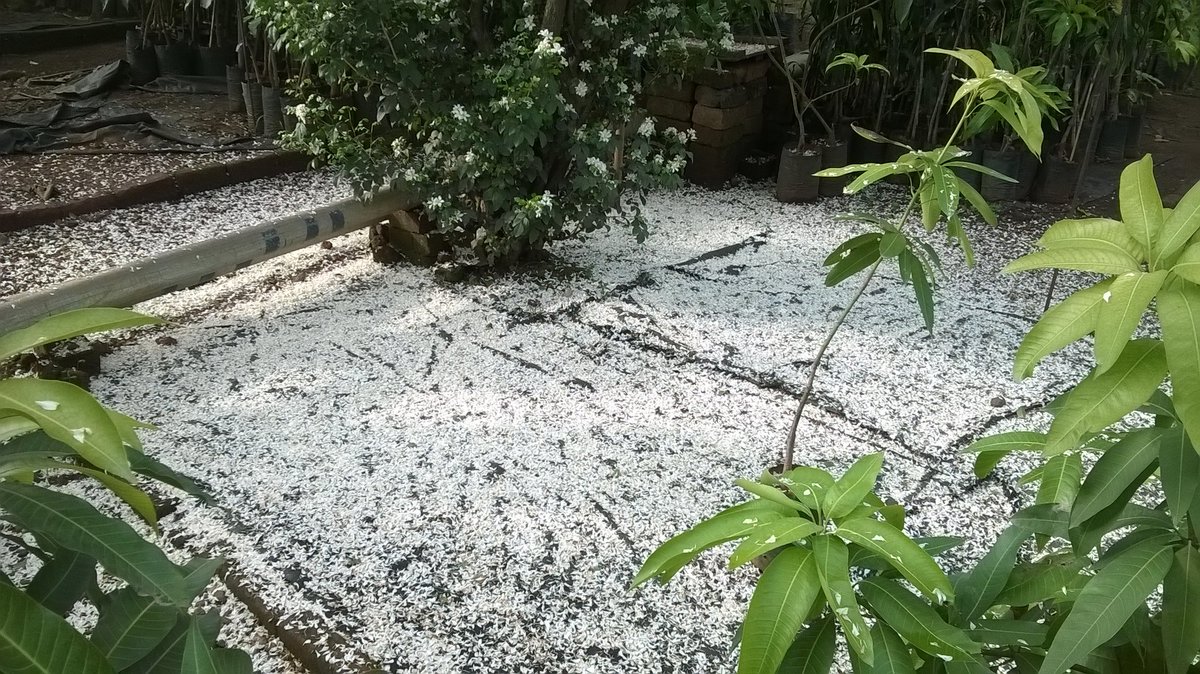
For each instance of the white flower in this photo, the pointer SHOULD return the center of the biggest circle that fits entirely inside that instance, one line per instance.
(460, 113)
(435, 202)
(569, 108)
(647, 127)
(581, 89)
(671, 11)
(622, 87)
(410, 175)
(597, 165)
(504, 103)
(585, 66)
(469, 157)
(530, 24)
(327, 16)
(639, 50)
(549, 44)
(421, 37)
(604, 135)
(301, 113)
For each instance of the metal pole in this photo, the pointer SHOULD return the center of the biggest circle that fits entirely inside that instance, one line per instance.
(198, 263)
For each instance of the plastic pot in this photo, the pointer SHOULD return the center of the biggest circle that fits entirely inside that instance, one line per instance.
(175, 59)
(272, 110)
(210, 61)
(289, 120)
(143, 63)
(1027, 171)
(759, 165)
(1055, 183)
(834, 156)
(1133, 133)
(234, 101)
(252, 95)
(1111, 145)
(795, 181)
(863, 151)
(1006, 162)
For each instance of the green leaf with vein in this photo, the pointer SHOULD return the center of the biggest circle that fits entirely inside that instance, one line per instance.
(768, 493)
(1098, 233)
(770, 536)
(844, 248)
(1141, 206)
(1181, 224)
(1181, 610)
(915, 620)
(1061, 325)
(992, 449)
(1179, 314)
(921, 286)
(1116, 470)
(849, 491)
(70, 324)
(1060, 480)
(1103, 399)
(35, 641)
(1104, 604)
(902, 553)
(74, 524)
(197, 656)
(891, 653)
(1121, 312)
(131, 625)
(857, 260)
(727, 525)
(1029, 584)
(977, 201)
(1179, 466)
(232, 661)
(70, 415)
(813, 650)
(977, 589)
(62, 581)
(833, 568)
(1078, 259)
(1008, 632)
(1187, 266)
(781, 600)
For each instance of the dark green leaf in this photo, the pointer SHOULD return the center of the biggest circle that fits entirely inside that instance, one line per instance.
(892, 244)
(1009, 632)
(1104, 604)
(1179, 469)
(1181, 610)
(855, 261)
(197, 657)
(978, 588)
(813, 650)
(727, 525)
(1179, 313)
(833, 568)
(1060, 480)
(131, 625)
(74, 524)
(67, 325)
(34, 640)
(229, 661)
(916, 621)
(870, 239)
(1029, 584)
(1103, 399)
(921, 287)
(1116, 470)
(902, 553)
(62, 581)
(781, 600)
(891, 653)
(849, 491)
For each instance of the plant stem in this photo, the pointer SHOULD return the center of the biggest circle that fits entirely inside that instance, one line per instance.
(789, 451)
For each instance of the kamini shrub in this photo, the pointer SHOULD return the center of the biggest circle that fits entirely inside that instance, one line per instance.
(517, 123)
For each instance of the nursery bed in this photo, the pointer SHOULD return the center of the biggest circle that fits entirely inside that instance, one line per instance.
(464, 478)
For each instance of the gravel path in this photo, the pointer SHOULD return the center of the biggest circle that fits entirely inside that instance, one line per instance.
(44, 256)
(464, 478)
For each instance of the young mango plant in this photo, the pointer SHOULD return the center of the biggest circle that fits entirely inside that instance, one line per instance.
(832, 548)
(1120, 534)
(51, 428)
(938, 192)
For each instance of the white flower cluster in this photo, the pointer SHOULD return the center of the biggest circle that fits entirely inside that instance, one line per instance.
(549, 44)
(647, 127)
(597, 165)
(460, 113)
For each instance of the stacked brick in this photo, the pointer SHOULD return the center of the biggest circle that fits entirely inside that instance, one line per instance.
(725, 108)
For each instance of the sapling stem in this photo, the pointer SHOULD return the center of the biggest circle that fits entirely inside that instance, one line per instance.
(789, 451)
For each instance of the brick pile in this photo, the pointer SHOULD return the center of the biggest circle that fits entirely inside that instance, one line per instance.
(724, 105)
